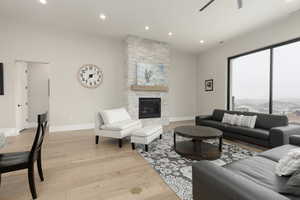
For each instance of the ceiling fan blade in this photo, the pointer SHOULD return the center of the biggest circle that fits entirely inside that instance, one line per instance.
(206, 5)
(240, 4)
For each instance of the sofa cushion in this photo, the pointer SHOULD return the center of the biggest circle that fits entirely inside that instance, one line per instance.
(219, 114)
(292, 187)
(214, 124)
(264, 121)
(259, 170)
(277, 153)
(256, 133)
(119, 126)
(115, 115)
(229, 119)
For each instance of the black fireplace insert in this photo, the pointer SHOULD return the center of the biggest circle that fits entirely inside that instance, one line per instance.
(149, 108)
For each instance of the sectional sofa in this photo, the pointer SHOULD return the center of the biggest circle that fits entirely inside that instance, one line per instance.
(270, 130)
(249, 179)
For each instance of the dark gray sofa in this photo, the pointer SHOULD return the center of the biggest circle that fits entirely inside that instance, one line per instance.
(249, 179)
(269, 131)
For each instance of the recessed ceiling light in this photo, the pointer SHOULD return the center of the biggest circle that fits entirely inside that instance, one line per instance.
(201, 41)
(147, 28)
(170, 33)
(102, 17)
(43, 1)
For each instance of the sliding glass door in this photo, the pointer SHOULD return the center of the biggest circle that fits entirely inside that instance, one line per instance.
(267, 80)
(250, 82)
(286, 84)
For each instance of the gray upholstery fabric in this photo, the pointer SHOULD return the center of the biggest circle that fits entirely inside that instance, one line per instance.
(215, 124)
(250, 179)
(252, 140)
(280, 135)
(256, 133)
(269, 131)
(219, 114)
(203, 117)
(292, 187)
(295, 140)
(259, 170)
(264, 121)
(213, 182)
(277, 153)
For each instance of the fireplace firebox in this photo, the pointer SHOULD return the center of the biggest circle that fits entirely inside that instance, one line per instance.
(149, 108)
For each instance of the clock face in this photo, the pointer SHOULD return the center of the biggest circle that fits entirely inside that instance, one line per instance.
(90, 76)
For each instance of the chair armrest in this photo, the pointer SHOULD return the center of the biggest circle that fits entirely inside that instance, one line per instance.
(295, 140)
(202, 117)
(214, 182)
(280, 135)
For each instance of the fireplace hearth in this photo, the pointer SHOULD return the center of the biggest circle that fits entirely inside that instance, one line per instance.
(149, 108)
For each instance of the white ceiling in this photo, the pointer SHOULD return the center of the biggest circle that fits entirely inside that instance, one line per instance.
(221, 21)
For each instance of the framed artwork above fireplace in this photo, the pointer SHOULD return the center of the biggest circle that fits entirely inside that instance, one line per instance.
(151, 74)
(150, 77)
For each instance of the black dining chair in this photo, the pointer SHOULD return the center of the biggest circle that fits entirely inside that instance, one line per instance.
(10, 162)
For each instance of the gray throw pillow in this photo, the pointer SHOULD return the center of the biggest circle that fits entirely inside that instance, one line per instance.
(292, 187)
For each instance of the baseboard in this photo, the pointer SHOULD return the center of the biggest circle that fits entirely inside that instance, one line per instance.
(177, 119)
(9, 131)
(73, 127)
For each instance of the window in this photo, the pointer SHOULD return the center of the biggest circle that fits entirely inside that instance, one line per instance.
(250, 82)
(266, 80)
(286, 86)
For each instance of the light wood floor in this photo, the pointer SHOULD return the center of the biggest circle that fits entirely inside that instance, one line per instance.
(77, 169)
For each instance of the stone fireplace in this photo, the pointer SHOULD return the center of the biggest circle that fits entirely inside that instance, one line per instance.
(139, 50)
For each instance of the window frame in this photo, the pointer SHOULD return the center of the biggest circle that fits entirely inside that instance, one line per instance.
(271, 48)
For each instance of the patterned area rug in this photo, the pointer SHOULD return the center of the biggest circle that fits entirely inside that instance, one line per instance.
(175, 170)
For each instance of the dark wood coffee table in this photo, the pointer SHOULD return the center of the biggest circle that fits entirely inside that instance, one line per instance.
(196, 148)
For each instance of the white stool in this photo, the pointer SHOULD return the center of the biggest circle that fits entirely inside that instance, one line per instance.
(146, 135)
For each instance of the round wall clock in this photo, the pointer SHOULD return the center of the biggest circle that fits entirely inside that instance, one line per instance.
(90, 76)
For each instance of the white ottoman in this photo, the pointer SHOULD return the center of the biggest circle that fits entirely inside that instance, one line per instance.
(146, 135)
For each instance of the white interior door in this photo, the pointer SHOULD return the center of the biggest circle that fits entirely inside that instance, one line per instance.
(21, 95)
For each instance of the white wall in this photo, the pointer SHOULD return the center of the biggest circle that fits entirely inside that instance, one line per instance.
(183, 85)
(38, 99)
(213, 63)
(71, 105)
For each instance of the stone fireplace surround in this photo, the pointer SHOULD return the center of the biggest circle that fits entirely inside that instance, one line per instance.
(139, 50)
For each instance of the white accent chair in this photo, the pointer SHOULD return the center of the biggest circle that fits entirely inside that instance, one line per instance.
(115, 123)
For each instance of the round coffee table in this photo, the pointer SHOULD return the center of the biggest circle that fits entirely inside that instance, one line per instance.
(196, 148)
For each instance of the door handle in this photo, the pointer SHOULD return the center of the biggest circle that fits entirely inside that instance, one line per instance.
(19, 105)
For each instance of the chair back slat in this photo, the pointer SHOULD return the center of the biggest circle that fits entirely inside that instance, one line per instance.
(39, 137)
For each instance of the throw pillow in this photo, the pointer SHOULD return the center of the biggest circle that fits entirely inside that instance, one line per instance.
(248, 121)
(115, 115)
(234, 119)
(292, 187)
(238, 120)
(253, 122)
(229, 119)
(289, 163)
